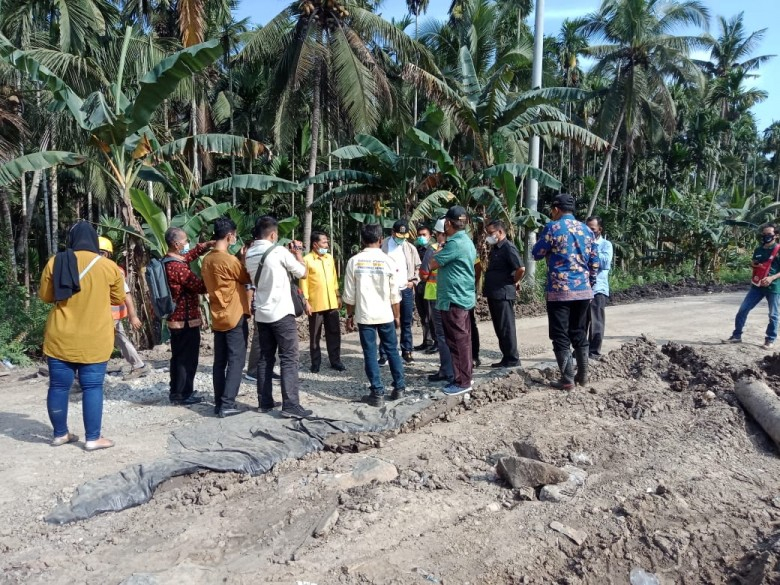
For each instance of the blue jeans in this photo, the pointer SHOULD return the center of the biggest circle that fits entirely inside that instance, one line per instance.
(754, 296)
(91, 377)
(407, 315)
(389, 344)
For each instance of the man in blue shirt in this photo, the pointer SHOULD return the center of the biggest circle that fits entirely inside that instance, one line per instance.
(572, 265)
(601, 288)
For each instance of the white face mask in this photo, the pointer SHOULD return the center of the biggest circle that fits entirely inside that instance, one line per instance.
(492, 240)
(186, 248)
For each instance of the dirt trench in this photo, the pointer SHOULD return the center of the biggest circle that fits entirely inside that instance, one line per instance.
(678, 482)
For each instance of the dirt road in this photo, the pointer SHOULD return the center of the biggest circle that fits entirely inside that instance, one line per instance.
(669, 479)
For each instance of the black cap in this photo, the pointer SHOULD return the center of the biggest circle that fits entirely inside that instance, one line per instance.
(564, 201)
(401, 227)
(456, 213)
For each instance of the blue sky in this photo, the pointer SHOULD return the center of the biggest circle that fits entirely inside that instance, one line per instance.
(758, 14)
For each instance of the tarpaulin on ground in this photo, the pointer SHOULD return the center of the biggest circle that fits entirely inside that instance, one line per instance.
(246, 443)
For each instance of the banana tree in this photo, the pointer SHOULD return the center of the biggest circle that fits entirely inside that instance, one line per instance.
(117, 120)
(492, 192)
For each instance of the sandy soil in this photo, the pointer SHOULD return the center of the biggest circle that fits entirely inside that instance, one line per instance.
(667, 475)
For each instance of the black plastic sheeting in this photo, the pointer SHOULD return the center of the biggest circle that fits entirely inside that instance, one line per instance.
(246, 443)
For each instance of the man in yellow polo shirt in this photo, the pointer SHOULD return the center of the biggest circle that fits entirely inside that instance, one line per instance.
(320, 288)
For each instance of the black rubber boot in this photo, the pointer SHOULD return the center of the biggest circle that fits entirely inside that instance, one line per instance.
(581, 355)
(566, 366)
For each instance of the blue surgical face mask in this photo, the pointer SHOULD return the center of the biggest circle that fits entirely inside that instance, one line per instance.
(322, 251)
(422, 241)
(398, 240)
(186, 248)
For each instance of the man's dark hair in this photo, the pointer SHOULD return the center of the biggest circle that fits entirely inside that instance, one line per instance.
(172, 235)
(423, 226)
(769, 224)
(315, 237)
(597, 219)
(371, 233)
(265, 226)
(222, 227)
(498, 224)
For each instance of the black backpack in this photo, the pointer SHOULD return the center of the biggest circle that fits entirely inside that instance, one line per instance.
(163, 304)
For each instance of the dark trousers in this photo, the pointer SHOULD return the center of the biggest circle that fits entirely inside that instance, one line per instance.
(457, 330)
(597, 321)
(254, 354)
(502, 313)
(474, 334)
(424, 313)
(281, 335)
(229, 358)
(185, 347)
(568, 323)
(330, 320)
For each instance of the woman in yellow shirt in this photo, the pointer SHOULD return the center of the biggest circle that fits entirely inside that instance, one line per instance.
(79, 334)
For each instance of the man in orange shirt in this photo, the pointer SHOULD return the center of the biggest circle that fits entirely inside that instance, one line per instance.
(226, 280)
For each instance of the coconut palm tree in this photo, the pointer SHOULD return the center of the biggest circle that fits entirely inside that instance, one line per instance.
(320, 50)
(637, 46)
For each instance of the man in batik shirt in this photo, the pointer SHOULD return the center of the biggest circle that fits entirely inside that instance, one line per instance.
(572, 266)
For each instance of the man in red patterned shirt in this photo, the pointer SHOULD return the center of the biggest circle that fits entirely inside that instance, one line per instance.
(184, 323)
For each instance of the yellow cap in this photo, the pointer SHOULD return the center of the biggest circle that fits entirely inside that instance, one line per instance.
(105, 245)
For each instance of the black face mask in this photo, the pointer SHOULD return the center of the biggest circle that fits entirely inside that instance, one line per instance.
(767, 238)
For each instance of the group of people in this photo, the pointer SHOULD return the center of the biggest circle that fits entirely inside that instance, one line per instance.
(266, 286)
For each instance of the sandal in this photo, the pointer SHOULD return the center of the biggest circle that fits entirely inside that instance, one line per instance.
(64, 439)
(101, 443)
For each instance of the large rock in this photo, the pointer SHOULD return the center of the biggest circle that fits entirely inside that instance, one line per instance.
(364, 472)
(523, 472)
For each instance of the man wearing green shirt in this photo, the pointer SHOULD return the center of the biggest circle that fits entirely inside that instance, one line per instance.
(456, 295)
(766, 285)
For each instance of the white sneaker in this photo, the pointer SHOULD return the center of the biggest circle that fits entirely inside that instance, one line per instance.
(769, 344)
(249, 377)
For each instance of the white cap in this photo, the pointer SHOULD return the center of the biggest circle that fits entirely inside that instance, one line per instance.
(439, 227)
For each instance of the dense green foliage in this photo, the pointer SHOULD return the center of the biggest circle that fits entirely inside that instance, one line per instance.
(140, 115)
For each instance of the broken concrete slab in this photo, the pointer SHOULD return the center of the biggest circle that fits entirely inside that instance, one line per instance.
(565, 491)
(367, 470)
(524, 472)
(329, 520)
(577, 536)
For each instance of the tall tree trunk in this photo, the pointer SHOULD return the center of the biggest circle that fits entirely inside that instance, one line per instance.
(8, 234)
(55, 210)
(26, 253)
(194, 123)
(47, 215)
(626, 171)
(90, 216)
(32, 200)
(232, 129)
(416, 29)
(608, 158)
(316, 115)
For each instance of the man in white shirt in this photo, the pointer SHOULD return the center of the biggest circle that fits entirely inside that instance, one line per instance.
(372, 298)
(407, 260)
(270, 267)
